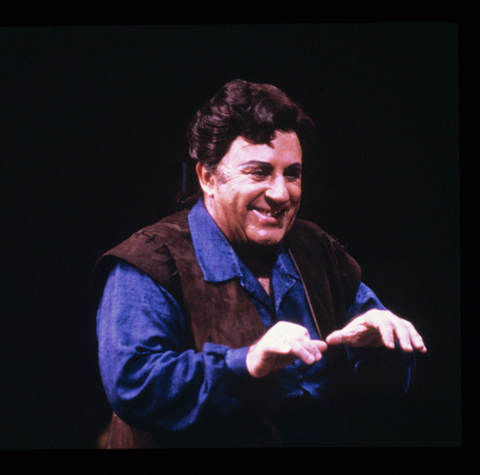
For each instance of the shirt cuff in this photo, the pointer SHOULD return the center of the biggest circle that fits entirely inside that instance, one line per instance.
(236, 363)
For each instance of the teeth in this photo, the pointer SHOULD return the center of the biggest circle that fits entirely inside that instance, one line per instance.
(271, 213)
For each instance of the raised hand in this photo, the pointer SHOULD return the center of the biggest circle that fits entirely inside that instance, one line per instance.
(284, 343)
(377, 328)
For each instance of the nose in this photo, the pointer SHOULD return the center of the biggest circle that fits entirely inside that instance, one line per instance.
(277, 190)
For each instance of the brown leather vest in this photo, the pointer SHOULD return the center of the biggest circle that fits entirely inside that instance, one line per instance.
(222, 313)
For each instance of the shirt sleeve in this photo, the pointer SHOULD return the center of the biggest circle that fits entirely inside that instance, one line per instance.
(378, 371)
(150, 379)
(364, 300)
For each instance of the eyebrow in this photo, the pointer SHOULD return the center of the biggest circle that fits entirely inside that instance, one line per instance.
(259, 163)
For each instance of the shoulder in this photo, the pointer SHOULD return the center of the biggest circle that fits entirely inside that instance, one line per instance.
(148, 249)
(306, 233)
(171, 227)
(309, 240)
(153, 238)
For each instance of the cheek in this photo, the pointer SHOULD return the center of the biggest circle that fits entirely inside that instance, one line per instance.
(234, 201)
(243, 194)
(295, 191)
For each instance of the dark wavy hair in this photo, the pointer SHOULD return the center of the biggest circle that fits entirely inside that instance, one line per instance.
(241, 108)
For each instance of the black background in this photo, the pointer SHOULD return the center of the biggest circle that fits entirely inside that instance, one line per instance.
(93, 122)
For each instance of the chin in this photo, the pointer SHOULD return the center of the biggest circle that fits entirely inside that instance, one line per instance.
(267, 239)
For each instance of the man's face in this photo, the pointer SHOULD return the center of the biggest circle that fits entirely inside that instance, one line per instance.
(254, 195)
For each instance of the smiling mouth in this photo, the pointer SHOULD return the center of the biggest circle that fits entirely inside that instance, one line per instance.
(271, 213)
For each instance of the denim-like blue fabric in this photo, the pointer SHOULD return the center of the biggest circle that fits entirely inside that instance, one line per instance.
(150, 378)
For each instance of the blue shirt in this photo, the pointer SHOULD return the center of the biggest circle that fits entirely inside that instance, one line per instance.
(152, 380)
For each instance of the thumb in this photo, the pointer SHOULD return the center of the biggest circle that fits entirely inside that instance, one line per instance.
(335, 338)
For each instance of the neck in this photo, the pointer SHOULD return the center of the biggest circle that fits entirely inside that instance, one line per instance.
(259, 261)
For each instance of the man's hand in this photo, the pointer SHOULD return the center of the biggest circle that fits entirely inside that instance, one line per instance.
(377, 328)
(280, 346)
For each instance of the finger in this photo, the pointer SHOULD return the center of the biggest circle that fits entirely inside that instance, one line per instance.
(406, 334)
(350, 335)
(316, 347)
(419, 344)
(308, 354)
(381, 322)
(321, 345)
(335, 338)
(403, 337)
(293, 333)
(386, 330)
(278, 345)
(415, 340)
(314, 351)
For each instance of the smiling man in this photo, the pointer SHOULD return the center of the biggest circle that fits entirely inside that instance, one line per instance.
(232, 323)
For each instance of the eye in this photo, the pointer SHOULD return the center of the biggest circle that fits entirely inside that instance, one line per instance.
(258, 173)
(293, 174)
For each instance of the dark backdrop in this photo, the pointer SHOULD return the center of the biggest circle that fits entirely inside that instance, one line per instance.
(93, 123)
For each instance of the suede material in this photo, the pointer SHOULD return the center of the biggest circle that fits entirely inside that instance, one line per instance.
(222, 313)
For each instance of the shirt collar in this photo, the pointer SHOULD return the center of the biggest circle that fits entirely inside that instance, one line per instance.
(216, 257)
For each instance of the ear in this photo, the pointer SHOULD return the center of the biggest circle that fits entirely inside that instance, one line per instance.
(206, 179)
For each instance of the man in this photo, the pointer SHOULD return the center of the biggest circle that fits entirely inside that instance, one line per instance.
(232, 323)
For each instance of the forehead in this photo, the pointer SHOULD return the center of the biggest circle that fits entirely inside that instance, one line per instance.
(284, 149)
